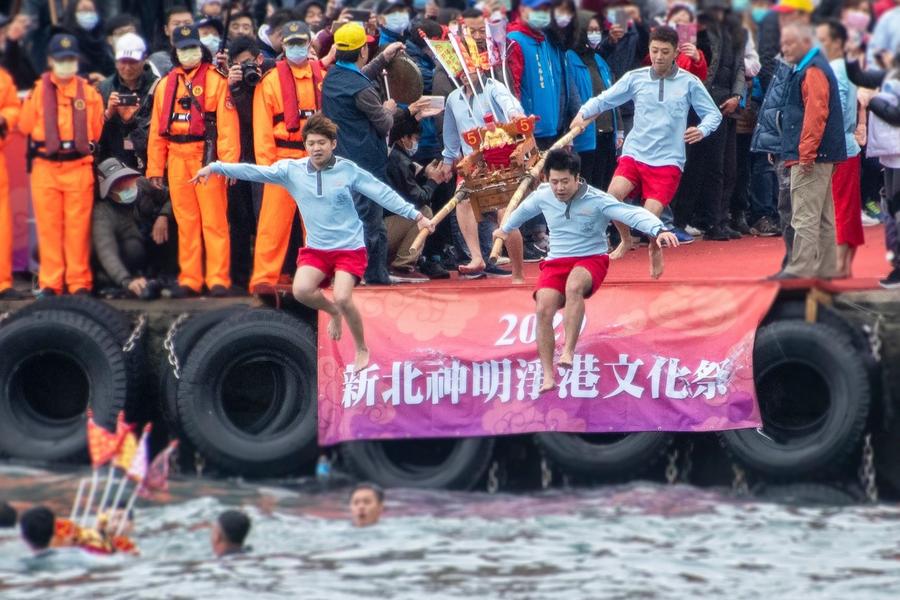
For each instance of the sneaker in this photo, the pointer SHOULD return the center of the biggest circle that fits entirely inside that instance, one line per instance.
(716, 234)
(694, 231)
(477, 275)
(764, 228)
(406, 276)
(495, 271)
(433, 270)
(179, 292)
(739, 224)
(869, 221)
(732, 233)
(532, 254)
(503, 260)
(892, 281)
(873, 209)
(684, 238)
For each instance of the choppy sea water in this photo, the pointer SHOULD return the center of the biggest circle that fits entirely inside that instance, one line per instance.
(635, 541)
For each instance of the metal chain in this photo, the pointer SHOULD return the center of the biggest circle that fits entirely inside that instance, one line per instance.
(199, 464)
(136, 334)
(687, 464)
(874, 333)
(493, 482)
(4, 316)
(672, 467)
(169, 344)
(739, 483)
(867, 470)
(546, 474)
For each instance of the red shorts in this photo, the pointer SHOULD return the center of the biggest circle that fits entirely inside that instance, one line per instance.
(329, 261)
(555, 272)
(654, 183)
(847, 192)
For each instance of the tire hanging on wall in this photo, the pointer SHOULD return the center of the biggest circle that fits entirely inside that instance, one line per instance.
(453, 464)
(260, 358)
(813, 392)
(602, 456)
(55, 364)
(118, 324)
(186, 337)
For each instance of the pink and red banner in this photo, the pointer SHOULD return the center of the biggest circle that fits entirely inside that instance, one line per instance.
(462, 362)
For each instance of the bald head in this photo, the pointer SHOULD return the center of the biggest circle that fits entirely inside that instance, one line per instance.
(796, 41)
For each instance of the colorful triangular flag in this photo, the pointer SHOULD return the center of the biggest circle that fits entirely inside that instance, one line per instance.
(137, 470)
(157, 477)
(102, 443)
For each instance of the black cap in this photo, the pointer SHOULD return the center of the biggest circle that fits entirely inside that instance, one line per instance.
(185, 36)
(386, 6)
(211, 22)
(63, 45)
(110, 171)
(295, 30)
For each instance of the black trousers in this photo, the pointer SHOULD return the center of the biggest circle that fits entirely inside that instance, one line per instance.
(241, 228)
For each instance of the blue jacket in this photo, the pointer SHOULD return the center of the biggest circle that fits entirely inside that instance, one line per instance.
(833, 147)
(542, 83)
(767, 134)
(579, 74)
(358, 140)
(428, 140)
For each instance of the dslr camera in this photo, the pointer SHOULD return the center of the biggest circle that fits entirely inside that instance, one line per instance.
(250, 72)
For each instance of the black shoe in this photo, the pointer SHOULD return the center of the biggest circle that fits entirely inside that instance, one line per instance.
(739, 224)
(82, 292)
(733, 234)
(45, 293)
(765, 228)
(716, 234)
(892, 281)
(495, 271)
(179, 292)
(219, 291)
(433, 270)
(533, 254)
(11, 294)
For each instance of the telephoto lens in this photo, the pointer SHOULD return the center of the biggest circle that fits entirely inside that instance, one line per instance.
(251, 73)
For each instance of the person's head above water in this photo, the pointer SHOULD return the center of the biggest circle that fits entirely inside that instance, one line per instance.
(229, 532)
(38, 526)
(561, 170)
(8, 516)
(366, 504)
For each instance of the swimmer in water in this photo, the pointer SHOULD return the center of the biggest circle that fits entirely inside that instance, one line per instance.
(229, 532)
(366, 504)
(8, 516)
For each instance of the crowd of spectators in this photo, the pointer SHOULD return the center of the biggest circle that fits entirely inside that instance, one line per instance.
(767, 170)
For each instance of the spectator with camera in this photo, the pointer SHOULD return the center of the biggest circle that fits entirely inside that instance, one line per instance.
(130, 230)
(128, 97)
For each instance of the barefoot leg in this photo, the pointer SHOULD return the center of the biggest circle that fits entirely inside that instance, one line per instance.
(343, 299)
(549, 301)
(468, 226)
(656, 260)
(578, 284)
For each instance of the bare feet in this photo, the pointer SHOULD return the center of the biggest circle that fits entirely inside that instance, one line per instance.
(656, 262)
(474, 266)
(621, 250)
(334, 327)
(361, 361)
(518, 280)
(565, 360)
(548, 385)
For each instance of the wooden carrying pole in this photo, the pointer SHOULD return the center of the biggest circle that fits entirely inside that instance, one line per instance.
(530, 177)
(442, 214)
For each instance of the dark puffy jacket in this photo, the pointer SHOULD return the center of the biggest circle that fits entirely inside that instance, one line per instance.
(767, 135)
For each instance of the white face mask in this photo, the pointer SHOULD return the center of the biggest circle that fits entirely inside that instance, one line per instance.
(398, 22)
(212, 42)
(87, 19)
(128, 195)
(189, 57)
(64, 69)
(594, 38)
(562, 20)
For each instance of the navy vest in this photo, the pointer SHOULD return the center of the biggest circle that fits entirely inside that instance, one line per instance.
(357, 138)
(767, 134)
(833, 147)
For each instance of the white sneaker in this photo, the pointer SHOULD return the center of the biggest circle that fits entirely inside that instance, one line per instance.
(868, 221)
(691, 230)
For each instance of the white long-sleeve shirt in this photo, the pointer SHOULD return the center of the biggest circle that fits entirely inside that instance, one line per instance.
(495, 99)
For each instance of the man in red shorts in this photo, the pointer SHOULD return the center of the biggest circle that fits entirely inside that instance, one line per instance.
(653, 154)
(577, 215)
(322, 185)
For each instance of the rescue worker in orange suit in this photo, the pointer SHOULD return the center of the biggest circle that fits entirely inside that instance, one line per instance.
(63, 116)
(288, 95)
(194, 123)
(9, 118)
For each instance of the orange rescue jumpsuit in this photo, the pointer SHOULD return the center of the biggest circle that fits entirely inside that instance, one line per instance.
(200, 210)
(271, 141)
(62, 191)
(9, 110)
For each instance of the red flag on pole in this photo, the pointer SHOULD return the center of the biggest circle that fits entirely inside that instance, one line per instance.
(102, 443)
(157, 478)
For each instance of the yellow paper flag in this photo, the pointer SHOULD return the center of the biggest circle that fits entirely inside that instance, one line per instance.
(127, 451)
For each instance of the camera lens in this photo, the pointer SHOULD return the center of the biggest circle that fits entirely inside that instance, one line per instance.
(251, 73)
(185, 103)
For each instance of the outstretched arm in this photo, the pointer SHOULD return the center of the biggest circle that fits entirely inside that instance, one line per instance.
(276, 173)
(635, 217)
(529, 208)
(618, 94)
(366, 184)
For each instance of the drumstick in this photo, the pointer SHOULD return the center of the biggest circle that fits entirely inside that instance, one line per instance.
(442, 214)
(531, 176)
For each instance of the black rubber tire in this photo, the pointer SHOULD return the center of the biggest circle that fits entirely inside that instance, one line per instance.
(284, 442)
(186, 337)
(809, 450)
(91, 359)
(119, 325)
(459, 469)
(605, 457)
(807, 494)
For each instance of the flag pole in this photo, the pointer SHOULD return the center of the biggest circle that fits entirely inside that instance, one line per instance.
(74, 514)
(110, 479)
(120, 492)
(128, 508)
(95, 479)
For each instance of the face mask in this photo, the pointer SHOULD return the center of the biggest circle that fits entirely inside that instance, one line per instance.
(128, 195)
(594, 38)
(539, 19)
(758, 13)
(296, 54)
(397, 22)
(740, 5)
(65, 69)
(856, 19)
(87, 20)
(212, 42)
(189, 57)
(562, 20)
